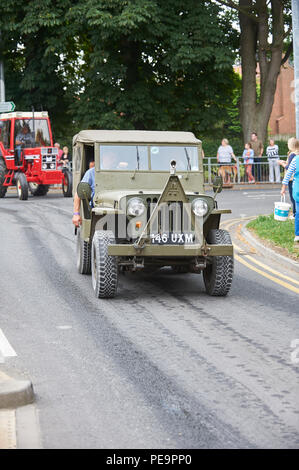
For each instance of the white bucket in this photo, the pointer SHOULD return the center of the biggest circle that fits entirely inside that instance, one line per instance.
(281, 210)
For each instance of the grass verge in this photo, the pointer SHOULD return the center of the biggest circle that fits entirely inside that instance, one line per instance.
(280, 234)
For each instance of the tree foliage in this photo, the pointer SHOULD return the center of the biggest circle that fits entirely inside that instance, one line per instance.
(122, 64)
(265, 27)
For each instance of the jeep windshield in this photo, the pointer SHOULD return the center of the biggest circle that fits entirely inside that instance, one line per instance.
(32, 134)
(148, 157)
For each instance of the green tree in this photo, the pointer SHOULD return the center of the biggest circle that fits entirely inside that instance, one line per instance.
(264, 31)
(123, 64)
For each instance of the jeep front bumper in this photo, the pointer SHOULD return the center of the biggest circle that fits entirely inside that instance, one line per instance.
(171, 250)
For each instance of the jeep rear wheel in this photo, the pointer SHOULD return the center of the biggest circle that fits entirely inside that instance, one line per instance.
(38, 189)
(67, 183)
(22, 186)
(3, 189)
(104, 268)
(218, 274)
(83, 255)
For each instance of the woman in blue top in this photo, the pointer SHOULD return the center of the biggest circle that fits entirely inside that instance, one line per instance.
(286, 164)
(248, 156)
(293, 169)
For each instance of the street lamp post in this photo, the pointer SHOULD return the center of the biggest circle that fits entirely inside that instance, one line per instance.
(295, 17)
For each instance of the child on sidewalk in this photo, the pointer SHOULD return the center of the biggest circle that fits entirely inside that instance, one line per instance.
(248, 156)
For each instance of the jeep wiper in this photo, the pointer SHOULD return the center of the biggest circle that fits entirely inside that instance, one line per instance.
(138, 162)
(188, 162)
(138, 158)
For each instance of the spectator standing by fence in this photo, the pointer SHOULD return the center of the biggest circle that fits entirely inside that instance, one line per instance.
(273, 159)
(257, 147)
(248, 155)
(225, 154)
(65, 158)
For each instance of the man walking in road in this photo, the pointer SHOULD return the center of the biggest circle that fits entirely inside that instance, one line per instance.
(258, 149)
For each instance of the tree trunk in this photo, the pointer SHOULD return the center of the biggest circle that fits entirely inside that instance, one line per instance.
(254, 42)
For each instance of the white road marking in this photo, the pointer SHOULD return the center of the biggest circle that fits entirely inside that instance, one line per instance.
(8, 436)
(64, 327)
(6, 350)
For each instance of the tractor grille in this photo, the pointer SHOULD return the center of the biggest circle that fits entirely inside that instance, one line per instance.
(49, 158)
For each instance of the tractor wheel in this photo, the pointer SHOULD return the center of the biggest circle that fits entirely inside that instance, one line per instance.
(38, 189)
(22, 186)
(83, 255)
(104, 268)
(218, 275)
(67, 185)
(3, 189)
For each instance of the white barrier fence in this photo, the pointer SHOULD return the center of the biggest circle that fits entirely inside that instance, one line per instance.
(235, 172)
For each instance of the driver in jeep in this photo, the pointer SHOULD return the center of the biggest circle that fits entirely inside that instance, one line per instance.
(108, 162)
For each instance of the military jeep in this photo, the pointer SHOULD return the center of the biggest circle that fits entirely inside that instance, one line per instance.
(149, 209)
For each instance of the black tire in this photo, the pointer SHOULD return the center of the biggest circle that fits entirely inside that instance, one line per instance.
(3, 170)
(67, 184)
(83, 255)
(104, 269)
(218, 275)
(38, 189)
(22, 186)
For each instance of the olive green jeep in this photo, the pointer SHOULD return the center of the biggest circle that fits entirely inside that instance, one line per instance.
(149, 209)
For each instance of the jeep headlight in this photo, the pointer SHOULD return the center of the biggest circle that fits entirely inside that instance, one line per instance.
(200, 207)
(135, 207)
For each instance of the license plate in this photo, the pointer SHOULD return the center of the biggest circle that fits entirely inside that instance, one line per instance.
(172, 238)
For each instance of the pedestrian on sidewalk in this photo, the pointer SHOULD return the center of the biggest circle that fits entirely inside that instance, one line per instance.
(257, 147)
(285, 165)
(248, 155)
(293, 169)
(272, 153)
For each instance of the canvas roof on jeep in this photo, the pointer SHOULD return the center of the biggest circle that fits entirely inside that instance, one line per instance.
(157, 137)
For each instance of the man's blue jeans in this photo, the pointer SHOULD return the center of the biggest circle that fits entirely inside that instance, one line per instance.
(291, 196)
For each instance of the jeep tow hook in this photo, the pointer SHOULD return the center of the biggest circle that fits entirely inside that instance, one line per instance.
(205, 250)
(138, 247)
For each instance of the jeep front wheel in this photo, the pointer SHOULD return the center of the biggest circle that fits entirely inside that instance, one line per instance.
(218, 274)
(104, 269)
(22, 186)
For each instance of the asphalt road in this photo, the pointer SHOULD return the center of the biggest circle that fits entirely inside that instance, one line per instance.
(163, 365)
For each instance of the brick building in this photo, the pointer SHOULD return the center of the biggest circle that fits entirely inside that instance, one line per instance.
(282, 122)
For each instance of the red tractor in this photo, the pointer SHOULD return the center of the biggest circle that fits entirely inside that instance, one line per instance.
(28, 159)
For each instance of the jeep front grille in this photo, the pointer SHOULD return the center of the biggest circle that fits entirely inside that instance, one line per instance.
(172, 214)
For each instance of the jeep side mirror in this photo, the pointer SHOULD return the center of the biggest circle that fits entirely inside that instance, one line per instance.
(217, 184)
(84, 191)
